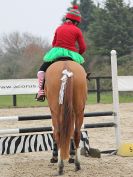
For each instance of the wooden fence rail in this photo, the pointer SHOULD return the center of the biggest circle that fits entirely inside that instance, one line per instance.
(97, 88)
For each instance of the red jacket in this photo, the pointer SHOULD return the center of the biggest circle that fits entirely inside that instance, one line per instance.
(67, 35)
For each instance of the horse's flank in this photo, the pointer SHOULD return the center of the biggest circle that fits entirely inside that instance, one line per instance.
(67, 118)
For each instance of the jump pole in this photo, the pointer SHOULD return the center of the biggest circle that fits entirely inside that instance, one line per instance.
(44, 117)
(47, 129)
(33, 143)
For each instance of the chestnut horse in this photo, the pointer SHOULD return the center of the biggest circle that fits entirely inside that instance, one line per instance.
(66, 92)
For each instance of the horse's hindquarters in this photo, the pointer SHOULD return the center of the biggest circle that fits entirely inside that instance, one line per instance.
(54, 74)
(71, 112)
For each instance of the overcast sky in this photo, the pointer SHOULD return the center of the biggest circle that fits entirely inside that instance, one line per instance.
(39, 17)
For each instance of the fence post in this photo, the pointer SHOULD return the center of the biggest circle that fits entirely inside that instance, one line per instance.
(98, 89)
(14, 100)
(115, 95)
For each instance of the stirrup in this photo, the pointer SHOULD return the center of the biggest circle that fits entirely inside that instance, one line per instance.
(40, 98)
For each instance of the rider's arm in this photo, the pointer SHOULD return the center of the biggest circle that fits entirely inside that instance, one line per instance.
(81, 43)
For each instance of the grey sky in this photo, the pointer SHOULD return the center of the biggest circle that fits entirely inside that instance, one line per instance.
(39, 17)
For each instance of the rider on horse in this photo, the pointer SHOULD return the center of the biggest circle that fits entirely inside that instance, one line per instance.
(64, 47)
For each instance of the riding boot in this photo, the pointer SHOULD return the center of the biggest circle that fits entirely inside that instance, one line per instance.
(41, 80)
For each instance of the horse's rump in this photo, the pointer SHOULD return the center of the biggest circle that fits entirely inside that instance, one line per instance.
(54, 74)
(74, 100)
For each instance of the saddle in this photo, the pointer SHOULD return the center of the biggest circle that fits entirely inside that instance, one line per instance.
(63, 59)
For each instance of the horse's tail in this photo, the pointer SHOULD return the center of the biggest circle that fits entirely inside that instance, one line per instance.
(67, 119)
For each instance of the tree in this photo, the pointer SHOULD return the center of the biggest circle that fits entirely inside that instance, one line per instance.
(112, 28)
(21, 55)
(74, 2)
(86, 8)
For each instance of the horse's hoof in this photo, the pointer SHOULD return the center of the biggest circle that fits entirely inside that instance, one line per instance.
(54, 160)
(77, 167)
(61, 171)
(61, 167)
(57, 174)
(71, 160)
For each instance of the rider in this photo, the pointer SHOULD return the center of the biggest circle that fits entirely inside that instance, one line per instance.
(64, 44)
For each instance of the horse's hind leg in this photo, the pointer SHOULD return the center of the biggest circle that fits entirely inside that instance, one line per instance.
(54, 158)
(56, 136)
(77, 139)
(77, 134)
(77, 162)
(72, 151)
(60, 165)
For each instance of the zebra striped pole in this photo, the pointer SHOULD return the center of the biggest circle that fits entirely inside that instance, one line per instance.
(33, 143)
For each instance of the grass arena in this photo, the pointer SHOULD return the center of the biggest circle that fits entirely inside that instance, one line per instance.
(37, 164)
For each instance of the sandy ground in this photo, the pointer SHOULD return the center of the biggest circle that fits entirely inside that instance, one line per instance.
(38, 164)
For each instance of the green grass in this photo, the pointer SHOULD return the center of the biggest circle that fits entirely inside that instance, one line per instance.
(29, 101)
(21, 101)
(104, 98)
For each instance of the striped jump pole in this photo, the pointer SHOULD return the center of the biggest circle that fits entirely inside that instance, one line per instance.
(45, 117)
(33, 143)
(47, 129)
(42, 139)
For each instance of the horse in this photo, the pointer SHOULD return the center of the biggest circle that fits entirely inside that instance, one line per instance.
(66, 92)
